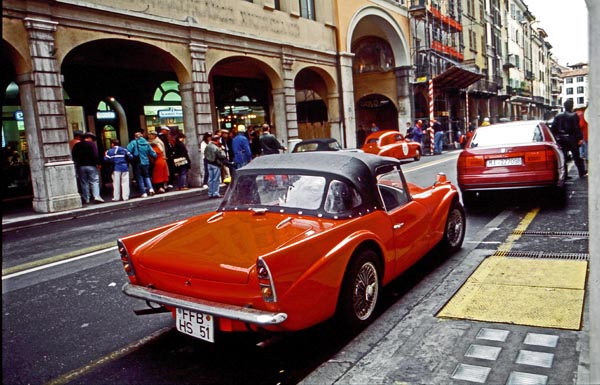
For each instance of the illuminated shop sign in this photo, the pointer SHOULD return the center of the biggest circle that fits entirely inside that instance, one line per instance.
(105, 115)
(170, 113)
(18, 115)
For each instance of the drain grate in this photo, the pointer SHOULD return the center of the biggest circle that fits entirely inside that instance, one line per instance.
(543, 255)
(580, 234)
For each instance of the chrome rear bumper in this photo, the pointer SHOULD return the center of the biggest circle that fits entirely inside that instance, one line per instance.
(253, 316)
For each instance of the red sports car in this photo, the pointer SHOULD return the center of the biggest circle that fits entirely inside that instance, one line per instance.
(512, 155)
(298, 239)
(392, 143)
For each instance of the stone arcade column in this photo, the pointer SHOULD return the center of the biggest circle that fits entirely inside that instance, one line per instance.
(284, 103)
(404, 96)
(347, 80)
(52, 169)
(195, 101)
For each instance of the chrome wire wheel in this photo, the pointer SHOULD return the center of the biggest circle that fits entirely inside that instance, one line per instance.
(455, 227)
(366, 291)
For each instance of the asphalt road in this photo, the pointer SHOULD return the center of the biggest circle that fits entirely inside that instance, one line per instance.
(68, 322)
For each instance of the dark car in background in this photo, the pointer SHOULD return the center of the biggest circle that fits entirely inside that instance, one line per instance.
(318, 144)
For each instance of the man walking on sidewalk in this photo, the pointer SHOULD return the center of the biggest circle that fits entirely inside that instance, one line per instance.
(85, 156)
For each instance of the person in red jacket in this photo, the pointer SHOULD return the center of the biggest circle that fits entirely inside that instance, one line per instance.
(583, 126)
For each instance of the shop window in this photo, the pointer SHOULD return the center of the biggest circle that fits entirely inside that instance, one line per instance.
(165, 109)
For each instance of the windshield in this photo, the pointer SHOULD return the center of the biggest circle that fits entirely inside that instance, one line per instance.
(301, 192)
(506, 134)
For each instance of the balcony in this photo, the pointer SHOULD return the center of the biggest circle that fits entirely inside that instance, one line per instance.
(529, 75)
(417, 8)
(510, 62)
(484, 87)
(523, 92)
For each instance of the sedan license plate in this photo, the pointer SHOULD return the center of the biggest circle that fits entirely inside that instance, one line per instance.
(196, 324)
(504, 162)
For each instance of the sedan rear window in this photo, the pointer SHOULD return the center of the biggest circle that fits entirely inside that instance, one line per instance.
(506, 134)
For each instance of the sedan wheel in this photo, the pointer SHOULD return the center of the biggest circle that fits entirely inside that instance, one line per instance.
(360, 292)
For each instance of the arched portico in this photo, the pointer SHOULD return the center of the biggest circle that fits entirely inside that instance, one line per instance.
(380, 66)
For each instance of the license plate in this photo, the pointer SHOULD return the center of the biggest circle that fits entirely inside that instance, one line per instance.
(504, 162)
(196, 324)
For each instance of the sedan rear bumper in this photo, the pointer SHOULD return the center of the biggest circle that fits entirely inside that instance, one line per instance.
(243, 314)
(509, 180)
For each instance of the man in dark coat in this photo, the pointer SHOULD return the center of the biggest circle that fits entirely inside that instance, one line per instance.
(85, 156)
(567, 132)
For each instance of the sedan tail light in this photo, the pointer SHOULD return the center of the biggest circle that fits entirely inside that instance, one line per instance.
(551, 159)
(265, 281)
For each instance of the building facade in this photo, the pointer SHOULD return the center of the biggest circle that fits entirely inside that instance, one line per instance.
(309, 68)
(574, 85)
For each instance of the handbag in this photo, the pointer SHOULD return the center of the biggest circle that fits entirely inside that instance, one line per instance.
(181, 161)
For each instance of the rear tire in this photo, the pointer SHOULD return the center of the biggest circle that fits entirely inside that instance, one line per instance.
(360, 290)
(454, 231)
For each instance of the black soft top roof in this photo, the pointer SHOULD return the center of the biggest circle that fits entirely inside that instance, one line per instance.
(348, 164)
(357, 167)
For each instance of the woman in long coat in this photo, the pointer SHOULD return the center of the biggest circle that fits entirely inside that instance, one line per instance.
(160, 171)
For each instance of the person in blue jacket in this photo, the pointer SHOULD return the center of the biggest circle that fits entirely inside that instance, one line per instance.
(140, 147)
(242, 154)
(119, 157)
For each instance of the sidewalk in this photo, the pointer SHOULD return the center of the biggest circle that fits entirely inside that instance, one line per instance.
(22, 215)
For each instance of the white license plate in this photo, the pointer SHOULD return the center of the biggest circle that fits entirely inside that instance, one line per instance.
(196, 324)
(504, 162)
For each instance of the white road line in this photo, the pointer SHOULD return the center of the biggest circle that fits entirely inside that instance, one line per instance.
(49, 265)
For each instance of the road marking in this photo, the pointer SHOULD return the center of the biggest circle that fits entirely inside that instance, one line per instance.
(507, 245)
(42, 264)
(421, 166)
(73, 374)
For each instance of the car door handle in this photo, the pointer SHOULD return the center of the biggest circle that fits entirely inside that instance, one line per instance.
(398, 226)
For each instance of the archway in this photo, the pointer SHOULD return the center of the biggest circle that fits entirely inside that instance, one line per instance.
(377, 109)
(127, 72)
(380, 69)
(311, 105)
(242, 93)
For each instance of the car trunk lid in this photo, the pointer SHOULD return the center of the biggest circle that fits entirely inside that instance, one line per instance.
(222, 247)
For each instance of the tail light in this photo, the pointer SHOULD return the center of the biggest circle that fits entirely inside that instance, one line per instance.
(265, 281)
(467, 160)
(125, 259)
(475, 161)
(551, 159)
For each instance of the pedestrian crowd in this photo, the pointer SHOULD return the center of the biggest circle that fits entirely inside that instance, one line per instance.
(160, 162)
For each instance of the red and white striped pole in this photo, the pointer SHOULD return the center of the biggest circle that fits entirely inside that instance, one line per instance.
(430, 129)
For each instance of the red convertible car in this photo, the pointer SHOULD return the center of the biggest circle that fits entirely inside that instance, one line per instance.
(512, 155)
(298, 239)
(392, 143)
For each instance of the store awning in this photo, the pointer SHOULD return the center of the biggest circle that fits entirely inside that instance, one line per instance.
(456, 78)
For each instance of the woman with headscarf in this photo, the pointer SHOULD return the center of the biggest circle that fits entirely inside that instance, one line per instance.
(160, 172)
